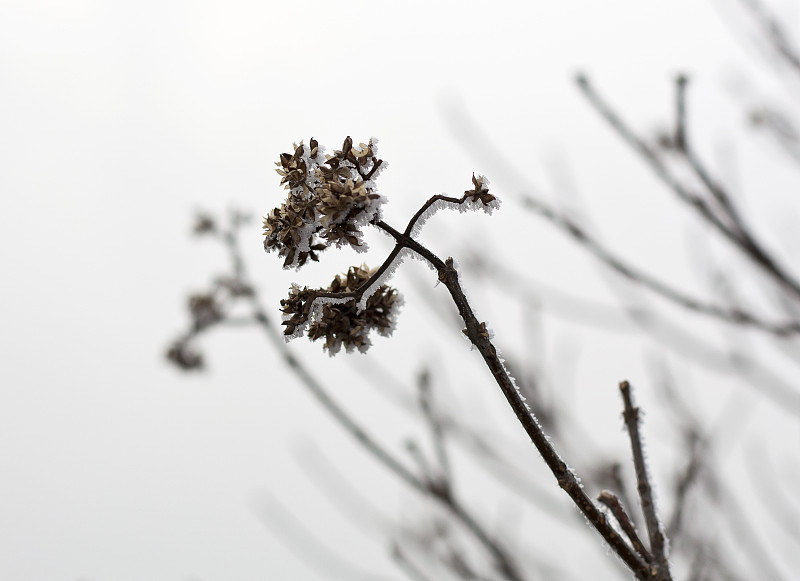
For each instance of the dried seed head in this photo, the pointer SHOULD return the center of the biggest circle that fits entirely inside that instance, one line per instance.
(328, 202)
(339, 322)
(480, 191)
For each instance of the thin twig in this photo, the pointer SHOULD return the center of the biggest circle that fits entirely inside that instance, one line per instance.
(684, 482)
(726, 226)
(657, 541)
(680, 111)
(613, 503)
(684, 147)
(661, 288)
(479, 336)
(650, 156)
(503, 560)
(434, 422)
(774, 33)
(745, 240)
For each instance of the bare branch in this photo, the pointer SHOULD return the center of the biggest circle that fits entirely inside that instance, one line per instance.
(434, 422)
(479, 336)
(504, 562)
(615, 506)
(774, 33)
(661, 288)
(657, 542)
(726, 224)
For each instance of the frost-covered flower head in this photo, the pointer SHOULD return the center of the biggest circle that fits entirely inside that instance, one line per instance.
(340, 322)
(330, 199)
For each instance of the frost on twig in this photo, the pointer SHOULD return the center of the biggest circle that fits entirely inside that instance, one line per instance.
(478, 198)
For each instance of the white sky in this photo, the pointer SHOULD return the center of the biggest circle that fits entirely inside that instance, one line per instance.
(118, 120)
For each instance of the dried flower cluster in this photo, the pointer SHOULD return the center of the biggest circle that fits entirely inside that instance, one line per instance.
(330, 199)
(339, 321)
(480, 193)
(206, 310)
(214, 305)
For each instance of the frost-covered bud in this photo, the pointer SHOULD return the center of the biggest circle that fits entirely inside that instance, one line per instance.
(296, 310)
(480, 191)
(352, 279)
(341, 199)
(362, 157)
(344, 206)
(290, 229)
(298, 169)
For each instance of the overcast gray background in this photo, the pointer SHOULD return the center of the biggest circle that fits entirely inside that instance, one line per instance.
(119, 120)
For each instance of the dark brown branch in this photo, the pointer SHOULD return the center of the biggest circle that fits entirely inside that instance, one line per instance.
(612, 474)
(478, 335)
(663, 330)
(431, 201)
(503, 560)
(239, 288)
(613, 503)
(657, 541)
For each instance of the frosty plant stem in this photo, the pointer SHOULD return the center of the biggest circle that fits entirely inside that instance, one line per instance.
(334, 202)
(479, 335)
